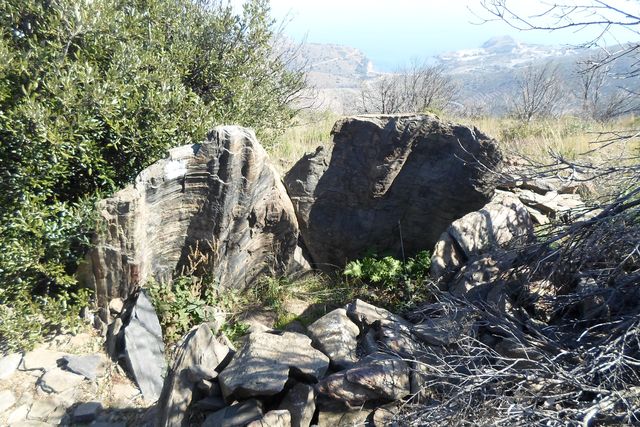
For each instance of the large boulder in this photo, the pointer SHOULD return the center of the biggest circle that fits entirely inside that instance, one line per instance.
(197, 358)
(221, 198)
(389, 181)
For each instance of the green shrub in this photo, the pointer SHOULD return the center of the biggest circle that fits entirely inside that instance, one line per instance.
(92, 91)
(388, 281)
(189, 301)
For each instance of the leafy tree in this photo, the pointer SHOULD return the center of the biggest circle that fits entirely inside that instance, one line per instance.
(93, 91)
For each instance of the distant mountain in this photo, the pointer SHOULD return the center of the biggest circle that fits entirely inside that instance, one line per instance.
(504, 52)
(336, 60)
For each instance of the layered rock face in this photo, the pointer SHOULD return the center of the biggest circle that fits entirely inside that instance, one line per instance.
(388, 182)
(221, 198)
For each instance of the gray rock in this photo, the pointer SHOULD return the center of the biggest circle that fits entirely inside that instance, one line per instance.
(202, 372)
(210, 404)
(201, 351)
(144, 348)
(419, 378)
(365, 314)
(238, 415)
(336, 336)
(479, 278)
(381, 379)
(90, 366)
(396, 338)
(222, 197)
(446, 258)
(116, 305)
(500, 222)
(300, 402)
(114, 337)
(368, 343)
(41, 359)
(338, 388)
(209, 387)
(9, 364)
(443, 330)
(552, 204)
(18, 414)
(343, 417)
(42, 409)
(58, 381)
(31, 423)
(537, 217)
(279, 418)
(108, 424)
(388, 378)
(261, 367)
(385, 416)
(7, 400)
(382, 171)
(86, 412)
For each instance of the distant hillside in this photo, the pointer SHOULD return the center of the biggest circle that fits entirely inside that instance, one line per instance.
(487, 75)
(336, 73)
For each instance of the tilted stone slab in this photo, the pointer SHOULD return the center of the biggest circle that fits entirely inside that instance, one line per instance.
(144, 348)
(199, 349)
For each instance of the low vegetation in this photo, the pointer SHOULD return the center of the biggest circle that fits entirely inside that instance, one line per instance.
(390, 282)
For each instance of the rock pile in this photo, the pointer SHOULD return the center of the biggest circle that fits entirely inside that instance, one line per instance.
(354, 360)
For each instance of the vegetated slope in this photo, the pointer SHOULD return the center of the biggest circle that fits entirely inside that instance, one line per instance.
(335, 73)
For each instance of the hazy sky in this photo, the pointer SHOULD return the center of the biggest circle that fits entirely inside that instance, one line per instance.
(391, 32)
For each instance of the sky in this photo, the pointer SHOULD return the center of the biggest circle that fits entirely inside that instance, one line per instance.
(393, 32)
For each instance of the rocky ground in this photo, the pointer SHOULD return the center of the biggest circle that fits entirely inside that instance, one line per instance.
(511, 330)
(40, 389)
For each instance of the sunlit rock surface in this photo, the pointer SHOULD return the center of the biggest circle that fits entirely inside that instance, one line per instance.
(219, 202)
